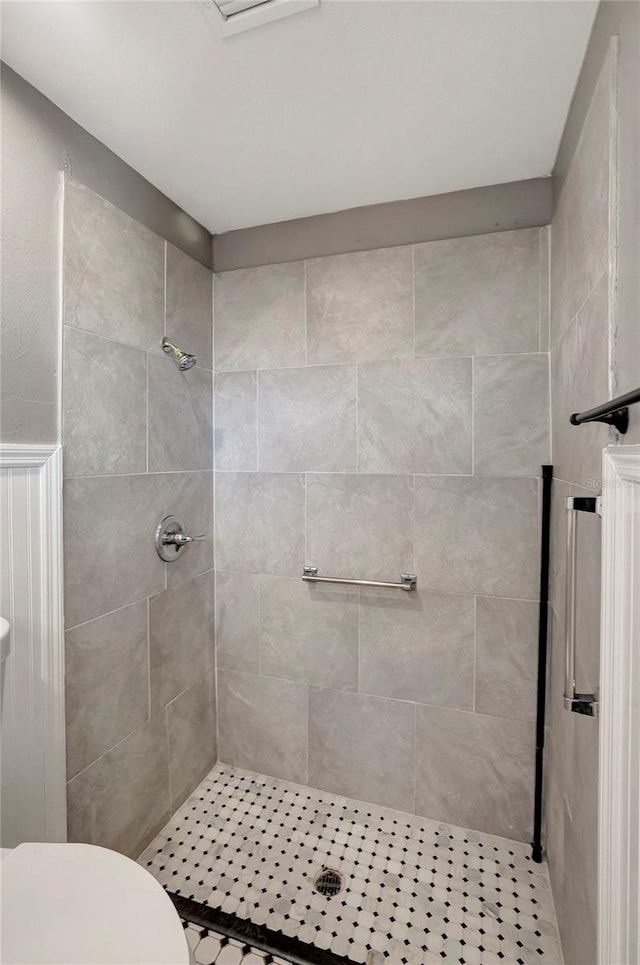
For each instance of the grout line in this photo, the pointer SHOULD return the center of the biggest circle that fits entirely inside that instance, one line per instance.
(413, 292)
(134, 348)
(306, 341)
(374, 361)
(357, 418)
(148, 659)
(475, 648)
(473, 416)
(257, 469)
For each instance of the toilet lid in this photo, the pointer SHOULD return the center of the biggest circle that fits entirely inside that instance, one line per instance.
(77, 904)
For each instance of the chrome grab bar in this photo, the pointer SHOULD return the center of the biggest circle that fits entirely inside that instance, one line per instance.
(586, 704)
(408, 581)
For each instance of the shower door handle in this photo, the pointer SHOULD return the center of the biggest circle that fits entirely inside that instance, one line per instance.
(586, 704)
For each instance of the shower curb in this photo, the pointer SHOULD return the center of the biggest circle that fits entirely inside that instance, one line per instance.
(258, 936)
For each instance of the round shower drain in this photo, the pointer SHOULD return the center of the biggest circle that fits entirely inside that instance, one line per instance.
(328, 882)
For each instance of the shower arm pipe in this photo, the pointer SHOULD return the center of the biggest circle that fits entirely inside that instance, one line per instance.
(613, 413)
(408, 581)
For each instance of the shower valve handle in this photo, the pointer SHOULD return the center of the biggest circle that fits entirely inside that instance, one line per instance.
(171, 538)
(180, 539)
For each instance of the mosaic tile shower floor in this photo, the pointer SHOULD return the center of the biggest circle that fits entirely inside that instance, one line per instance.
(415, 892)
(209, 948)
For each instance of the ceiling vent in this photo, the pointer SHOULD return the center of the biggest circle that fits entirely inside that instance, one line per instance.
(234, 16)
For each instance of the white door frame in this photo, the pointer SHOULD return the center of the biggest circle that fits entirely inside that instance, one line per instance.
(619, 781)
(33, 714)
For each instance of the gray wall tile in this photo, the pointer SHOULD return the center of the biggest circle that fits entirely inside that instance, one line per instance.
(475, 771)
(260, 522)
(478, 296)
(263, 724)
(478, 535)
(417, 646)
(511, 415)
(360, 306)
(189, 495)
(104, 406)
(260, 317)
(106, 683)
(181, 637)
(109, 556)
(235, 439)
(415, 416)
(580, 228)
(189, 306)
(122, 799)
(309, 633)
(113, 271)
(191, 724)
(180, 417)
(582, 331)
(238, 621)
(506, 657)
(580, 380)
(360, 526)
(362, 747)
(307, 419)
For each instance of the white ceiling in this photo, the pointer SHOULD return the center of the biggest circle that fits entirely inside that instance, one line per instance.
(351, 103)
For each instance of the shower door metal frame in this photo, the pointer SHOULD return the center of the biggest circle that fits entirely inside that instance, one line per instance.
(619, 777)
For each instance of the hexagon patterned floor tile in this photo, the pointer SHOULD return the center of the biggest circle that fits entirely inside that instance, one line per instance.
(409, 891)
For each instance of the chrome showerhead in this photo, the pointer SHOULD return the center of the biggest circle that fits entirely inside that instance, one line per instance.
(182, 359)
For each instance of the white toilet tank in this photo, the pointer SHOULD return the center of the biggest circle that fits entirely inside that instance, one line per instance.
(81, 904)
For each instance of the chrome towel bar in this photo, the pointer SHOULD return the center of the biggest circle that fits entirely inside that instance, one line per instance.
(586, 704)
(408, 581)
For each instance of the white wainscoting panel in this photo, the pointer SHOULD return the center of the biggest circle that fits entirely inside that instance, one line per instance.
(619, 818)
(32, 732)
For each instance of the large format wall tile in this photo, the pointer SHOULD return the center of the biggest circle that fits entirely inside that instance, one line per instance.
(113, 271)
(360, 306)
(417, 646)
(191, 724)
(478, 535)
(309, 633)
(475, 771)
(511, 415)
(260, 522)
(109, 556)
(104, 406)
(189, 495)
(263, 724)
(415, 416)
(180, 417)
(360, 526)
(106, 683)
(122, 799)
(260, 317)
(189, 323)
(235, 438)
(478, 296)
(238, 621)
(506, 657)
(307, 419)
(181, 637)
(362, 747)
(581, 222)
(580, 379)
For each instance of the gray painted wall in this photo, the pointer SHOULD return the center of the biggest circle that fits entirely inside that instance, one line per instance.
(622, 19)
(38, 142)
(498, 207)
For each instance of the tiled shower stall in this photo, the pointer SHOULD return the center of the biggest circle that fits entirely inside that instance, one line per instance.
(376, 413)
